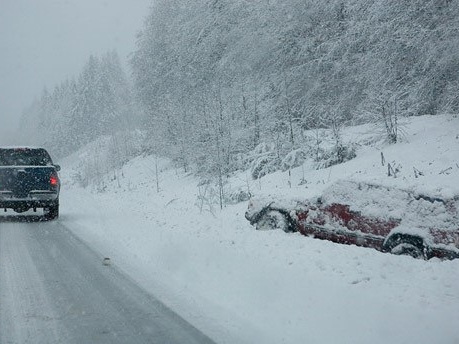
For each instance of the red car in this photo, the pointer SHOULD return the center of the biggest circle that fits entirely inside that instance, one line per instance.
(355, 213)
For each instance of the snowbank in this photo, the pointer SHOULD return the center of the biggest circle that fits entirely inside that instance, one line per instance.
(244, 286)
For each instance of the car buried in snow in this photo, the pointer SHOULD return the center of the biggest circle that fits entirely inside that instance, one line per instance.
(387, 219)
(29, 180)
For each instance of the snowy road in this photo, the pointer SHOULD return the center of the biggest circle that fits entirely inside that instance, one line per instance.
(54, 289)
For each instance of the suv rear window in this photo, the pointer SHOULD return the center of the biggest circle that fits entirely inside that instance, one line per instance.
(24, 157)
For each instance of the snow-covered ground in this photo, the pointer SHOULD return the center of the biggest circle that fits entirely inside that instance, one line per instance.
(239, 285)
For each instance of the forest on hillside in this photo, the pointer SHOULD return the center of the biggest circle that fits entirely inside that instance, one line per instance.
(219, 86)
(79, 110)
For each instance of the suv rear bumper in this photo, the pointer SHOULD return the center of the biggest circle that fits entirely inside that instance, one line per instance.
(35, 199)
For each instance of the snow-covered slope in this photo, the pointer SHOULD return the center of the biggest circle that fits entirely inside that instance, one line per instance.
(243, 286)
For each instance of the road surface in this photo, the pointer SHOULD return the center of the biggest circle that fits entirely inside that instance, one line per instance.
(55, 289)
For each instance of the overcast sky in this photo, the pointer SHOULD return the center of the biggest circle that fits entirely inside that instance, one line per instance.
(42, 42)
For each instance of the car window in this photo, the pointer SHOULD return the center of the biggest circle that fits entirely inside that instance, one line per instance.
(24, 157)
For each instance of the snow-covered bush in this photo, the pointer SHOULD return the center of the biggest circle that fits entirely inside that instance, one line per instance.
(237, 196)
(293, 159)
(264, 165)
(263, 160)
(337, 155)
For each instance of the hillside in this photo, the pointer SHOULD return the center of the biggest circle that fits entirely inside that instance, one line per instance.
(163, 227)
(212, 80)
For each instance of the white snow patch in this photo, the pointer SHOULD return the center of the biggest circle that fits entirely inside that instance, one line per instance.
(244, 286)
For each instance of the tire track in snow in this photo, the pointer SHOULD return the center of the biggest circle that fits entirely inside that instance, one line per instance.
(54, 289)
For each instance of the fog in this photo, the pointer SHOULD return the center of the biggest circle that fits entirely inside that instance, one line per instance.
(44, 42)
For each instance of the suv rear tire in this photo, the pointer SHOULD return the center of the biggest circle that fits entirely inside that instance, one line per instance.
(51, 212)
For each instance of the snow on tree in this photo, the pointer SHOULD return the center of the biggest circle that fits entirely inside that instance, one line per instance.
(99, 102)
(217, 79)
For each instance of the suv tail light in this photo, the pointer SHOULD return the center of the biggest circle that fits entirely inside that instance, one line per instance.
(53, 180)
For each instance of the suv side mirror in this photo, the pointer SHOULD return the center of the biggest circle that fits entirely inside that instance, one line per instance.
(58, 167)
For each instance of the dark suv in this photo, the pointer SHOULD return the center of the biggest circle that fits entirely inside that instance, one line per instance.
(29, 180)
